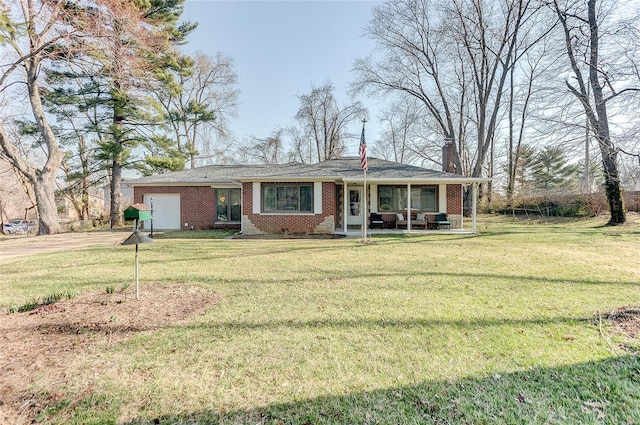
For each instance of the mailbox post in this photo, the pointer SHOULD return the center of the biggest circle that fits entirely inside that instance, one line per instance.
(137, 212)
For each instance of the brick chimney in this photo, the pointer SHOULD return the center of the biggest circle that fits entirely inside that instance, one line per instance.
(448, 156)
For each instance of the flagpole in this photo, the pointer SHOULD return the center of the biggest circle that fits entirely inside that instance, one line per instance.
(363, 153)
(366, 209)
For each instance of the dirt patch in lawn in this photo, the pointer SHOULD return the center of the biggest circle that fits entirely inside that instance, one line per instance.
(627, 319)
(41, 341)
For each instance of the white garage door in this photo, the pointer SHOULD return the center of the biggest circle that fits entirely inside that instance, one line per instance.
(166, 211)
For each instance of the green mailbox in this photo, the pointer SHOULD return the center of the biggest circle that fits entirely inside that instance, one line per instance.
(138, 212)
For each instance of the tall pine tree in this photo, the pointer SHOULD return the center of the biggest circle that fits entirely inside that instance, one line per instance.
(125, 50)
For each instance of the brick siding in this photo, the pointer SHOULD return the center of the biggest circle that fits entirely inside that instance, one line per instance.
(299, 223)
(454, 199)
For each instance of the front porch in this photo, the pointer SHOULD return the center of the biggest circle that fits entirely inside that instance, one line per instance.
(410, 207)
(357, 233)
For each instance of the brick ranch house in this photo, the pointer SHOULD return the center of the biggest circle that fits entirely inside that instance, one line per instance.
(295, 198)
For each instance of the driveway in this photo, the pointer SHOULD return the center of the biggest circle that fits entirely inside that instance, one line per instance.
(20, 246)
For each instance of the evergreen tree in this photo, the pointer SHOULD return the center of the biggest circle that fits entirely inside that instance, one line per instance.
(551, 172)
(522, 173)
(126, 49)
(145, 39)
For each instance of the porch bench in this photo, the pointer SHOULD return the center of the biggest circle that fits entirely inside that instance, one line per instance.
(402, 223)
(419, 224)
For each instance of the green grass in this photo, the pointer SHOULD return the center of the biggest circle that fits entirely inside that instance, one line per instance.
(190, 234)
(496, 328)
(40, 302)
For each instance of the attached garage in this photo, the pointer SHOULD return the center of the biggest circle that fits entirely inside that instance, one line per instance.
(166, 211)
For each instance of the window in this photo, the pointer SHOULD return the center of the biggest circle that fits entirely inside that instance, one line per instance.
(287, 198)
(394, 198)
(385, 198)
(229, 205)
(354, 202)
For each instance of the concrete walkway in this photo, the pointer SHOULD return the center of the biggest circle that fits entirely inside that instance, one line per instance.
(20, 246)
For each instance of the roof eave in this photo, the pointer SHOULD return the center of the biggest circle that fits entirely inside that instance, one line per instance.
(288, 179)
(438, 180)
(174, 184)
(394, 180)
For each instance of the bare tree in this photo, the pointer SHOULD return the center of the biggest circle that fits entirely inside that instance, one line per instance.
(264, 151)
(121, 44)
(32, 30)
(412, 47)
(399, 121)
(597, 83)
(81, 176)
(16, 193)
(454, 57)
(324, 123)
(524, 77)
(196, 103)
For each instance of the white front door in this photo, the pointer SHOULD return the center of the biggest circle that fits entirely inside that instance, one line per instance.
(355, 212)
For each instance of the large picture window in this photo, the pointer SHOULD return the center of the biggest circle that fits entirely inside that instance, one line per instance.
(395, 198)
(229, 205)
(287, 198)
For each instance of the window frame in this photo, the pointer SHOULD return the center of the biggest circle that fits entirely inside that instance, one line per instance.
(396, 197)
(282, 193)
(226, 191)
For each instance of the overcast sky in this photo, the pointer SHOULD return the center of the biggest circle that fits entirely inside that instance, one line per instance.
(280, 50)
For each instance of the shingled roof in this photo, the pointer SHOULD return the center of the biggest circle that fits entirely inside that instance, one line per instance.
(339, 169)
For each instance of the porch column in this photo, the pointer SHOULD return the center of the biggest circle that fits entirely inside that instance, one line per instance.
(345, 206)
(408, 207)
(442, 198)
(474, 206)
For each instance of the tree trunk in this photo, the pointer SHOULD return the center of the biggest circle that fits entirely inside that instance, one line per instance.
(609, 153)
(44, 179)
(117, 154)
(511, 170)
(614, 196)
(610, 168)
(86, 184)
(115, 217)
(48, 222)
(596, 114)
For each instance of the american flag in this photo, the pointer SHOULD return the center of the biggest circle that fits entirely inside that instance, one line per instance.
(363, 151)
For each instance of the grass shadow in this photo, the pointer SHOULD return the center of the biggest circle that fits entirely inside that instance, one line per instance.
(602, 392)
(371, 325)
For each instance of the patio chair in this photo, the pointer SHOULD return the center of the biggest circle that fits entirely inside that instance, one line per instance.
(442, 220)
(400, 221)
(376, 220)
(420, 221)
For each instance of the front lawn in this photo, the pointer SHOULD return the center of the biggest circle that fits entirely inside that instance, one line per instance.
(510, 326)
